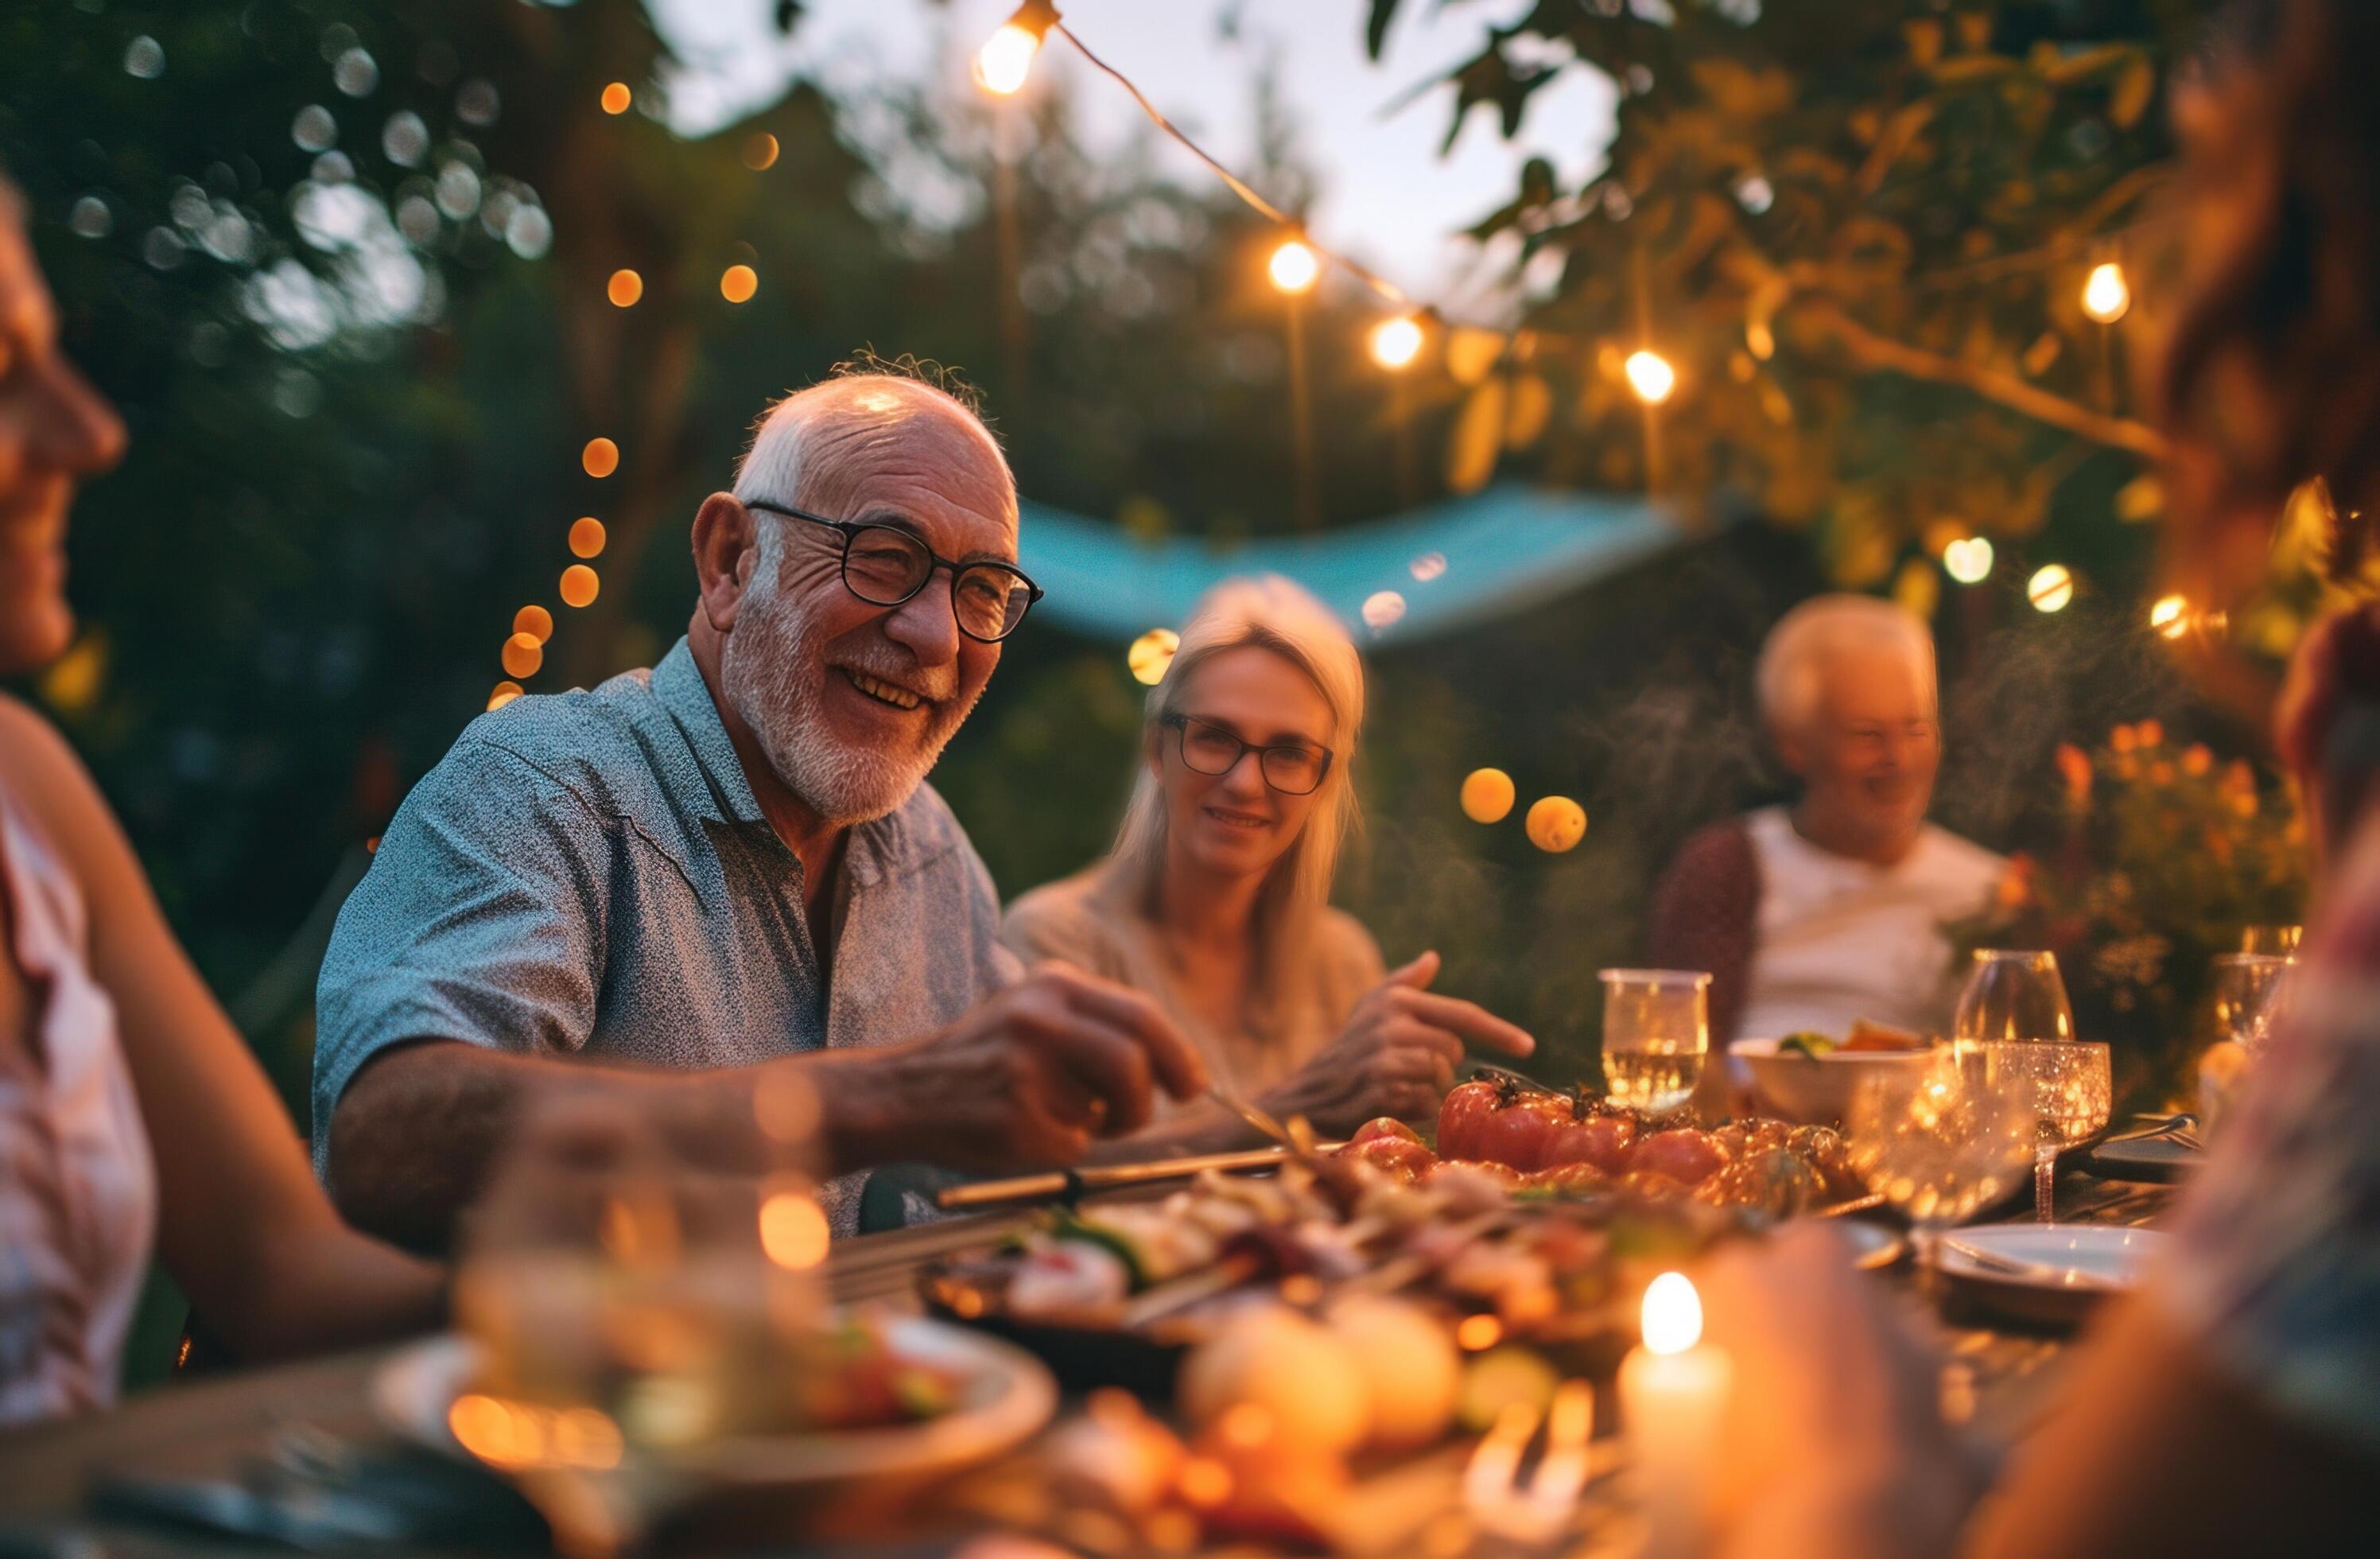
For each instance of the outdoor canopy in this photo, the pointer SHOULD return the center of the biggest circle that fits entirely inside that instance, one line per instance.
(1507, 549)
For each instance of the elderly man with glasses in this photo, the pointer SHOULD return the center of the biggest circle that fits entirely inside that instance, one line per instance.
(731, 866)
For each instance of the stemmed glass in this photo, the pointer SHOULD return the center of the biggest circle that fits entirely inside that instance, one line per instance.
(1936, 1140)
(2274, 942)
(2248, 991)
(1655, 1034)
(2014, 1015)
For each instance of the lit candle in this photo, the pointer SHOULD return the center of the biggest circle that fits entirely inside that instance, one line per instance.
(1671, 1393)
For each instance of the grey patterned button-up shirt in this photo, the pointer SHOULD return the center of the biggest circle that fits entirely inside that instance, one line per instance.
(588, 874)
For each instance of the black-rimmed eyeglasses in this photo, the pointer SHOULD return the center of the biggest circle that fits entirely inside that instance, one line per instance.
(1292, 768)
(885, 565)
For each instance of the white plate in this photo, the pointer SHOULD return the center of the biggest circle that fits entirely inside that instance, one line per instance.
(2046, 1271)
(1005, 1395)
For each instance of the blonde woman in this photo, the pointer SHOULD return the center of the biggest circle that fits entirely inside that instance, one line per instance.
(1215, 901)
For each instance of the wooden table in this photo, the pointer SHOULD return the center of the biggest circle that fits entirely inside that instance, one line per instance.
(212, 1429)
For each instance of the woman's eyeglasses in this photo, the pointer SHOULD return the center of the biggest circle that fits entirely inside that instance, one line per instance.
(1294, 769)
(887, 566)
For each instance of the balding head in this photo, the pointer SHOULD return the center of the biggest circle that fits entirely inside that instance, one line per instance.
(851, 700)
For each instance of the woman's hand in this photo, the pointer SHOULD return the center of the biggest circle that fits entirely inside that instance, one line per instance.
(1396, 1056)
(1834, 1442)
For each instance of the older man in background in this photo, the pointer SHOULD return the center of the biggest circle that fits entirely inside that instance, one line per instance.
(1818, 914)
(731, 866)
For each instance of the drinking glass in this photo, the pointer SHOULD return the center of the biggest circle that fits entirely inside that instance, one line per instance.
(1936, 1140)
(2017, 998)
(1655, 1034)
(2248, 991)
(2278, 942)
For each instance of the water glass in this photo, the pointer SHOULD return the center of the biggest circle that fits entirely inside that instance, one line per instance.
(1936, 1140)
(2017, 997)
(1655, 1034)
(2248, 991)
(2275, 941)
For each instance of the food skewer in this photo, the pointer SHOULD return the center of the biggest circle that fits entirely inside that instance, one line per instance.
(1067, 1184)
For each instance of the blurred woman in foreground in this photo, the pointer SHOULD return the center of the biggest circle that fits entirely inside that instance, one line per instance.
(1215, 900)
(130, 1108)
(2234, 1405)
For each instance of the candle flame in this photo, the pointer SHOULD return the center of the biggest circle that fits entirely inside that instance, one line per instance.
(1673, 1314)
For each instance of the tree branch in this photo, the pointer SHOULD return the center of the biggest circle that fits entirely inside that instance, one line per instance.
(1871, 350)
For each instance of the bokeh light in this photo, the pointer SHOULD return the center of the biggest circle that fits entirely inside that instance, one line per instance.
(1650, 375)
(1487, 794)
(2052, 588)
(579, 585)
(617, 98)
(1382, 609)
(1295, 267)
(739, 282)
(522, 655)
(1428, 566)
(1968, 561)
(505, 693)
(793, 1231)
(2105, 295)
(1556, 824)
(1006, 59)
(624, 287)
(1395, 343)
(587, 537)
(2170, 617)
(1150, 654)
(760, 150)
(535, 621)
(600, 458)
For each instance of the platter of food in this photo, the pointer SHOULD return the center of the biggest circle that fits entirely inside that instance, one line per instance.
(1539, 1219)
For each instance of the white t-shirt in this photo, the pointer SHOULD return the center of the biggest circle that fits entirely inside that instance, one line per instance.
(1839, 939)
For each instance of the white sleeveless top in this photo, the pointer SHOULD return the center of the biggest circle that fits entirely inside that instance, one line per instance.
(77, 1188)
(1838, 939)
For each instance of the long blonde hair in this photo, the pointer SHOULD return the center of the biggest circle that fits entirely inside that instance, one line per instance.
(1270, 612)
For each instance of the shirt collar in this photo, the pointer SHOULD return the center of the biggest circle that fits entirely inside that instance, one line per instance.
(872, 851)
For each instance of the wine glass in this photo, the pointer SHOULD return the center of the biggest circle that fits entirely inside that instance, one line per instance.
(2248, 991)
(1936, 1140)
(1655, 1034)
(2014, 1010)
(2276, 942)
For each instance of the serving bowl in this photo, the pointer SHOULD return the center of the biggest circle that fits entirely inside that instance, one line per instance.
(1814, 1090)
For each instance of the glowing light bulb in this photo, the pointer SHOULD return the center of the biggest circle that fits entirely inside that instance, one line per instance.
(739, 282)
(1382, 609)
(1006, 59)
(585, 536)
(1487, 794)
(1150, 654)
(617, 98)
(623, 288)
(2052, 588)
(1555, 823)
(760, 150)
(579, 585)
(1295, 267)
(1672, 1314)
(1650, 375)
(1396, 342)
(503, 693)
(522, 655)
(600, 458)
(793, 1231)
(534, 621)
(1968, 561)
(2170, 617)
(2106, 294)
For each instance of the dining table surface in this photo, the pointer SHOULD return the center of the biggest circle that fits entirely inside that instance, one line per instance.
(151, 1474)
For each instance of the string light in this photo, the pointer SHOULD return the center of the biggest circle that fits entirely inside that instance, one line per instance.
(617, 98)
(1396, 342)
(2170, 617)
(579, 585)
(534, 621)
(2052, 588)
(624, 287)
(2106, 294)
(587, 537)
(760, 151)
(1968, 561)
(1295, 267)
(522, 655)
(600, 458)
(1150, 654)
(505, 693)
(739, 282)
(1005, 60)
(1650, 375)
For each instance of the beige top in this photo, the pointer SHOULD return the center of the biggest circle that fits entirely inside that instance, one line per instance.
(1074, 921)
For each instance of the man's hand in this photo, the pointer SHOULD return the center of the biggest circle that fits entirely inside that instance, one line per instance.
(1396, 1055)
(1026, 1079)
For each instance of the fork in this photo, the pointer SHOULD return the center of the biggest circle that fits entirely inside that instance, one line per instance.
(1538, 1512)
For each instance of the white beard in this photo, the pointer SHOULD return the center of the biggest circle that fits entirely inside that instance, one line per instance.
(773, 673)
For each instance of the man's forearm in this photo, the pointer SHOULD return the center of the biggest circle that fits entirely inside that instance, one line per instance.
(414, 1131)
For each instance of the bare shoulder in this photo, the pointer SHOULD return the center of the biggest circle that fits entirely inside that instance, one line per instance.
(44, 773)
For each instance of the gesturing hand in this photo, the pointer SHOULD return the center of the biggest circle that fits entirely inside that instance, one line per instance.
(1396, 1055)
(1029, 1077)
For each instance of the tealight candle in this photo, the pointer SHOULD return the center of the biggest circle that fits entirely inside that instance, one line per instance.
(1672, 1392)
